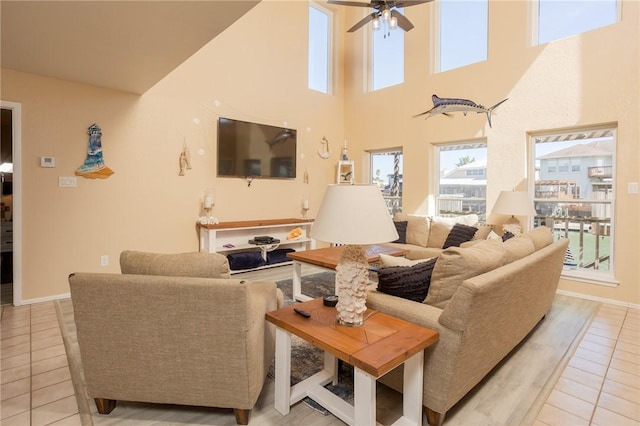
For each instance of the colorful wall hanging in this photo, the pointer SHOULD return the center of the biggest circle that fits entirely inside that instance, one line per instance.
(94, 167)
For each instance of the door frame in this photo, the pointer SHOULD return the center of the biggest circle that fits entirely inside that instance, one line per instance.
(16, 147)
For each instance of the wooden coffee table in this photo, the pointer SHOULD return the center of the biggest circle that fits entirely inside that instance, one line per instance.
(381, 344)
(328, 258)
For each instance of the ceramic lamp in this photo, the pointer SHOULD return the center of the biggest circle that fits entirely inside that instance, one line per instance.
(352, 215)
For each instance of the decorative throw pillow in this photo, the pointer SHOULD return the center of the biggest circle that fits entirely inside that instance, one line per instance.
(493, 236)
(483, 231)
(507, 235)
(417, 228)
(408, 282)
(401, 227)
(386, 261)
(459, 234)
(440, 227)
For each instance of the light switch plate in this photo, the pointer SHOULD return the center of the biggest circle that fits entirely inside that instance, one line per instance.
(67, 181)
(47, 161)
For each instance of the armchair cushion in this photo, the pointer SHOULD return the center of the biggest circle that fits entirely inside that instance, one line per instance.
(197, 265)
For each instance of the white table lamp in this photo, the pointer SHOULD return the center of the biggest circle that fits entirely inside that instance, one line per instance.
(351, 215)
(514, 203)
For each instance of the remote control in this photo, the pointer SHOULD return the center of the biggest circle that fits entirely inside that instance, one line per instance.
(302, 312)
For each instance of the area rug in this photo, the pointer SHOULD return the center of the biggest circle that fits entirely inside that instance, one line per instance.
(572, 316)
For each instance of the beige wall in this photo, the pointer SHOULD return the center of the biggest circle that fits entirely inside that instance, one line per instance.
(584, 80)
(256, 70)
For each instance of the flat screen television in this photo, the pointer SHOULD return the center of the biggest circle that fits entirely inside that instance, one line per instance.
(248, 149)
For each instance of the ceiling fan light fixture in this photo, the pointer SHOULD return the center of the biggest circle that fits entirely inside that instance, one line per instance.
(376, 24)
(393, 23)
(386, 15)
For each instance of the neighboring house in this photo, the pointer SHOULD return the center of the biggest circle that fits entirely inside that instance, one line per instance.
(464, 189)
(579, 172)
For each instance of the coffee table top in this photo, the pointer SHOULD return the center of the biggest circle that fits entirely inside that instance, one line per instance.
(382, 343)
(329, 257)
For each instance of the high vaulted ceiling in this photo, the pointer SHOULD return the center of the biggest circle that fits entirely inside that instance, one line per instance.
(122, 45)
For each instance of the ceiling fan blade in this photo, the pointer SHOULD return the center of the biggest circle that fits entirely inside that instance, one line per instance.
(403, 22)
(349, 3)
(362, 22)
(407, 3)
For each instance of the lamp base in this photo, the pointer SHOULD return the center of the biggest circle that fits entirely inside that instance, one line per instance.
(352, 278)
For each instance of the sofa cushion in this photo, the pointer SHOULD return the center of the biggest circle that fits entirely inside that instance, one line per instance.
(417, 228)
(541, 236)
(408, 282)
(456, 264)
(459, 234)
(387, 261)
(483, 231)
(517, 248)
(197, 265)
(401, 228)
(441, 226)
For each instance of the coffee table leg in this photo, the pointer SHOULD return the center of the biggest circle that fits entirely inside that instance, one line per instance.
(364, 398)
(412, 389)
(283, 371)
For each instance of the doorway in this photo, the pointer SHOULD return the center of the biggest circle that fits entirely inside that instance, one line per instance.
(10, 217)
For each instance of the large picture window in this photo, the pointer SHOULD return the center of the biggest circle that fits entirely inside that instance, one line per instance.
(463, 35)
(319, 48)
(386, 172)
(461, 179)
(556, 19)
(574, 194)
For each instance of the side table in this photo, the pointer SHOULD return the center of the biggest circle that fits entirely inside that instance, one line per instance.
(381, 344)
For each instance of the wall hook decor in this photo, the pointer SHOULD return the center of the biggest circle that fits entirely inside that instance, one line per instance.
(94, 166)
(324, 151)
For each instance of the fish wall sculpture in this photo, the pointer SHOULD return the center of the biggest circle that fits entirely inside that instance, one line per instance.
(447, 105)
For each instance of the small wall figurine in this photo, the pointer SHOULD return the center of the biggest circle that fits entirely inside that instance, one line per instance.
(94, 167)
(185, 160)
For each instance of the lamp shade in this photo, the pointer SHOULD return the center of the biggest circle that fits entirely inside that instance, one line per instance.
(514, 203)
(353, 214)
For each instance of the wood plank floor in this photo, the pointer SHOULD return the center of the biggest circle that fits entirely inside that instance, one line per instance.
(599, 385)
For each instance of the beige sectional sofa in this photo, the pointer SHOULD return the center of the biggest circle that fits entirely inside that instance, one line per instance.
(483, 300)
(174, 329)
(425, 235)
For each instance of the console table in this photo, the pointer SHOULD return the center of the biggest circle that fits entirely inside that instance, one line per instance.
(233, 237)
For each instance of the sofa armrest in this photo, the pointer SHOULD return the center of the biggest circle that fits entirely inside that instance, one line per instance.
(408, 310)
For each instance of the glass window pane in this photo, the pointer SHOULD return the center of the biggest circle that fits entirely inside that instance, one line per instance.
(319, 24)
(559, 19)
(463, 32)
(462, 180)
(386, 172)
(576, 200)
(387, 57)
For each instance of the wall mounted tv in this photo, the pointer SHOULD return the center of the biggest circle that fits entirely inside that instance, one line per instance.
(255, 150)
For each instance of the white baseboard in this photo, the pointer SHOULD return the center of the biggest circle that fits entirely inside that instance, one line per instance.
(600, 299)
(46, 299)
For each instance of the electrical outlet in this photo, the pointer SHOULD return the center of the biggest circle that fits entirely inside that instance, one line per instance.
(104, 260)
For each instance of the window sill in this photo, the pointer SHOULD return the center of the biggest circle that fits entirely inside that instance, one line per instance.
(606, 279)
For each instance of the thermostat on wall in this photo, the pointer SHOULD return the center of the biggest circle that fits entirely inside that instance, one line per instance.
(47, 161)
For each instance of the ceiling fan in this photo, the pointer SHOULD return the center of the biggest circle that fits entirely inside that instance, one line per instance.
(385, 12)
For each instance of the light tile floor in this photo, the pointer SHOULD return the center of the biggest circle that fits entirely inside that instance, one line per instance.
(600, 385)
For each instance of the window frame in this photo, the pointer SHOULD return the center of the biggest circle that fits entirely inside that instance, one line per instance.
(436, 37)
(436, 174)
(391, 206)
(585, 275)
(330, 48)
(534, 23)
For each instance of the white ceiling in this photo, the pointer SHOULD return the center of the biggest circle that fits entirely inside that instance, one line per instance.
(123, 45)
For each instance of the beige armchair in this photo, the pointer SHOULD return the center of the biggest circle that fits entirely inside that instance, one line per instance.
(148, 335)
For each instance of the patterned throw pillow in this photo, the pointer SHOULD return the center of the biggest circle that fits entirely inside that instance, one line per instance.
(408, 282)
(401, 227)
(507, 235)
(459, 234)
